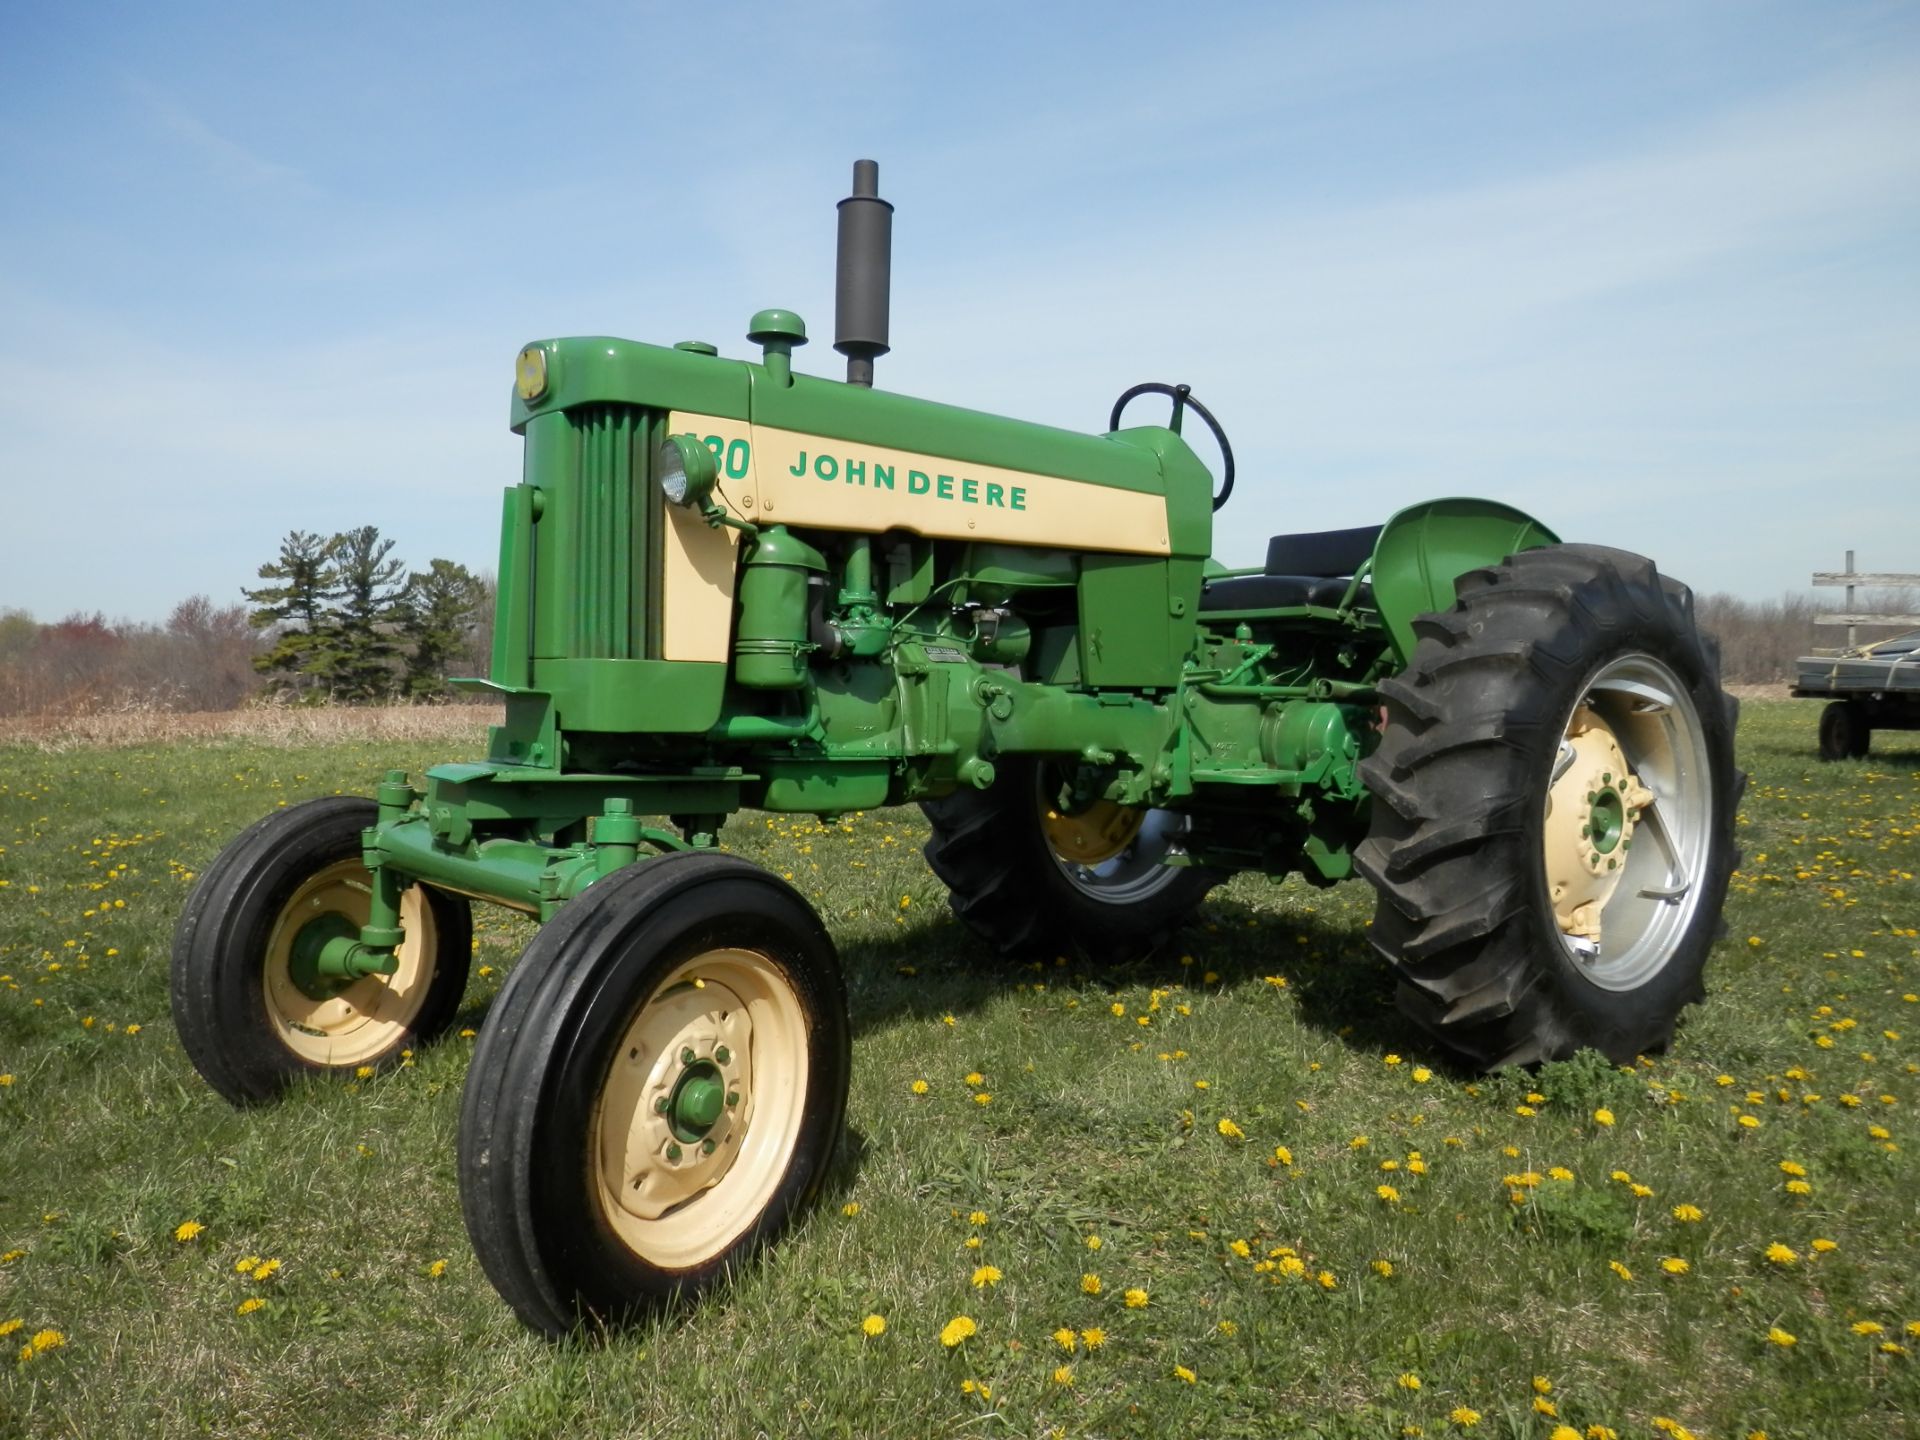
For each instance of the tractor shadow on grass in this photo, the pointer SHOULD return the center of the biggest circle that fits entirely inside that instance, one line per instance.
(1339, 985)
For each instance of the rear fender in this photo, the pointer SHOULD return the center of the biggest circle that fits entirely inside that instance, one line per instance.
(1425, 548)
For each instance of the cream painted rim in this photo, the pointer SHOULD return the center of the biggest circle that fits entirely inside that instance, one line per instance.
(1623, 901)
(1134, 869)
(678, 1203)
(365, 1020)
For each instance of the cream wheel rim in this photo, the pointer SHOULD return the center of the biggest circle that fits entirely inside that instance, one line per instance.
(367, 1018)
(1628, 825)
(681, 1169)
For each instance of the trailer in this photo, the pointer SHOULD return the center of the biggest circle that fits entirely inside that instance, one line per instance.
(1872, 687)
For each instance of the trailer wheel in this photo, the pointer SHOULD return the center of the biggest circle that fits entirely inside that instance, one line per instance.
(657, 1093)
(1845, 733)
(1554, 797)
(249, 1020)
(1031, 879)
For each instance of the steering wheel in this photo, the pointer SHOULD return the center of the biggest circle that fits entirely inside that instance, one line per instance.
(1182, 400)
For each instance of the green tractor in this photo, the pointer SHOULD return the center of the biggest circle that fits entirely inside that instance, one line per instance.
(724, 584)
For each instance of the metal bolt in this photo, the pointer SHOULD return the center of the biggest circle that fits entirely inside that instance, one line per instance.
(734, 1098)
(706, 1147)
(662, 1105)
(673, 1152)
(687, 1057)
(723, 1055)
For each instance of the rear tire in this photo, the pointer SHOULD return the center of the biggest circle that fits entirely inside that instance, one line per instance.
(1845, 733)
(1010, 884)
(248, 1027)
(603, 1174)
(1520, 935)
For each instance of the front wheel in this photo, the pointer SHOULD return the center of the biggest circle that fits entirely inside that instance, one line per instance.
(657, 1093)
(251, 1016)
(1554, 798)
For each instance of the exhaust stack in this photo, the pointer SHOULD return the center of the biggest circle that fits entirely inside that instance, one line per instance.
(864, 274)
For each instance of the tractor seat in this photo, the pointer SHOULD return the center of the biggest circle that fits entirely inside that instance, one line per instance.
(1311, 569)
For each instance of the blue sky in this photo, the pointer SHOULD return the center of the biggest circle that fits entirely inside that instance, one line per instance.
(1651, 271)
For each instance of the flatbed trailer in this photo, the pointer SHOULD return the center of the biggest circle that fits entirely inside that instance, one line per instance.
(1876, 687)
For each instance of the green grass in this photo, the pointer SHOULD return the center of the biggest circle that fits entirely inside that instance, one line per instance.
(1098, 1126)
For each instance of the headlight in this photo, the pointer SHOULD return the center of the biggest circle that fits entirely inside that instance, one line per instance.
(687, 470)
(530, 373)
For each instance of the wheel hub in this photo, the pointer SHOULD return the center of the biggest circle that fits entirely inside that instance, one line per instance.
(1093, 835)
(1592, 809)
(678, 1102)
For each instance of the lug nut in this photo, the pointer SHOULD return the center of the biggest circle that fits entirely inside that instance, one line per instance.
(673, 1152)
(687, 1057)
(723, 1055)
(662, 1105)
(706, 1147)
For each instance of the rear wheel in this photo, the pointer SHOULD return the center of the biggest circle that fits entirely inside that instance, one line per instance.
(1554, 797)
(1845, 733)
(251, 1014)
(657, 1093)
(1033, 874)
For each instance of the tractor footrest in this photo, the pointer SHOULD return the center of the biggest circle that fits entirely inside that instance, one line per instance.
(1278, 592)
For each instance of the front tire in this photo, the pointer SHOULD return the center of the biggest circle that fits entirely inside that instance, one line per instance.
(1031, 881)
(1554, 797)
(657, 1093)
(1845, 732)
(250, 1024)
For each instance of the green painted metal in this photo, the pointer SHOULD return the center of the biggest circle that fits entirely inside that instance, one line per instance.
(698, 1100)
(1425, 548)
(876, 666)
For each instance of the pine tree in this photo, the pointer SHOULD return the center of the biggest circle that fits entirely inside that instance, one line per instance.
(360, 634)
(438, 607)
(300, 605)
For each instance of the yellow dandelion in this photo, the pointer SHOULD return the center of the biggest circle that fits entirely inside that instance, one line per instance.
(1622, 1271)
(981, 1097)
(919, 1087)
(1227, 1128)
(986, 1275)
(1824, 1246)
(266, 1269)
(850, 1209)
(976, 1078)
(1543, 1406)
(1136, 1299)
(1465, 1416)
(1674, 1265)
(874, 1326)
(1542, 1385)
(1388, 1195)
(1326, 1281)
(1090, 1284)
(1383, 1268)
(1181, 1372)
(1781, 1255)
(1094, 1242)
(1093, 1337)
(1687, 1214)
(1421, 1075)
(188, 1230)
(956, 1330)
(976, 1217)
(1282, 1155)
(1603, 1116)
(1409, 1381)
(249, 1305)
(1063, 1374)
(1777, 1336)
(1867, 1327)
(1065, 1338)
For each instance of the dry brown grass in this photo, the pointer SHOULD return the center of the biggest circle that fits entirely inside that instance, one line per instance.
(277, 725)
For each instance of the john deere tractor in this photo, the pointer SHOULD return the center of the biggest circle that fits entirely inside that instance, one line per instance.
(725, 585)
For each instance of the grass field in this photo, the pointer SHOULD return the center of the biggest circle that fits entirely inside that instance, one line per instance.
(1221, 1193)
